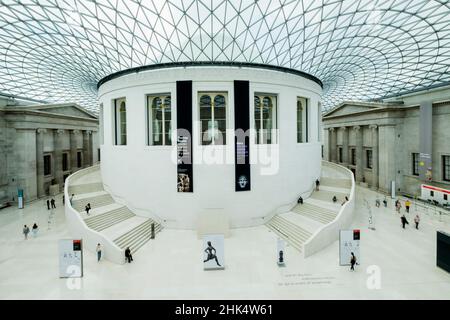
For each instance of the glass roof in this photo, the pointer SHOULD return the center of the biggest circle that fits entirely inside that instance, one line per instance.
(57, 50)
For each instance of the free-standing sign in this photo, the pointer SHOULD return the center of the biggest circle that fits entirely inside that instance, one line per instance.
(184, 137)
(20, 198)
(70, 258)
(348, 243)
(213, 252)
(241, 138)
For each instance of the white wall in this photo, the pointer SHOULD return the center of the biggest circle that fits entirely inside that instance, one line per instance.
(146, 176)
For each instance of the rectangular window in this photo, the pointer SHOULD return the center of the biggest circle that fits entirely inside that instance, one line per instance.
(159, 116)
(445, 197)
(302, 120)
(213, 117)
(265, 118)
(47, 165)
(369, 159)
(340, 154)
(446, 168)
(65, 161)
(79, 159)
(431, 193)
(120, 123)
(415, 164)
(353, 156)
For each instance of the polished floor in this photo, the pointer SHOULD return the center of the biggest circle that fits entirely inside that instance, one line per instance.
(395, 263)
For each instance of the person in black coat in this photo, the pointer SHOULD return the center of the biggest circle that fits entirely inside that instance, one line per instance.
(48, 204)
(300, 200)
(404, 221)
(128, 255)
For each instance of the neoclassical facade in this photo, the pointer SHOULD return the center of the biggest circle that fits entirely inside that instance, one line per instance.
(402, 140)
(40, 145)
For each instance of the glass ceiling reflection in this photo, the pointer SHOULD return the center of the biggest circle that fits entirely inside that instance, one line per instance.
(57, 50)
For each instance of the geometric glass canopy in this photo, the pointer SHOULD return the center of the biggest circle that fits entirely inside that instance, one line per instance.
(57, 50)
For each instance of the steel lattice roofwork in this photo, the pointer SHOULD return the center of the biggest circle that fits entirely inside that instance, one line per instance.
(57, 51)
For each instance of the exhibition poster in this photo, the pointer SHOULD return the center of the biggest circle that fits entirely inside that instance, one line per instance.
(213, 252)
(70, 258)
(348, 243)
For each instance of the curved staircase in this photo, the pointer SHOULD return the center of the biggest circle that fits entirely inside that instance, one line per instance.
(115, 221)
(297, 226)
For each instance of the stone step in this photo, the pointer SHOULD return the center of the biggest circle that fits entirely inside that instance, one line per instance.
(85, 188)
(96, 201)
(108, 219)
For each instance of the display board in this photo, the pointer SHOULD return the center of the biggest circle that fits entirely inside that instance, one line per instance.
(70, 258)
(281, 252)
(443, 250)
(213, 252)
(20, 198)
(241, 137)
(185, 181)
(348, 243)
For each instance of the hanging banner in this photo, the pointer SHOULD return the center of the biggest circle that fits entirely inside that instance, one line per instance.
(70, 258)
(241, 135)
(185, 181)
(348, 243)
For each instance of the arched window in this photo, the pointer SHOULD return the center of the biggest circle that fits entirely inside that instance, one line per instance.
(159, 116)
(120, 121)
(213, 118)
(302, 120)
(265, 118)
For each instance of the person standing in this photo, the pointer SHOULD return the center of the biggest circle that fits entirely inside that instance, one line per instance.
(88, 207)
(63, 200)
(128, 255)
(53, 203)
(35, 230)
(48, 204)
(317, 184)
(416, 221)
(398, 206)
(407, 205)
(385, 202)
(26, 231)
(99, 252)
(71, 198)
(352, 262)
(377, 203)
(404, 221)
(300, 200)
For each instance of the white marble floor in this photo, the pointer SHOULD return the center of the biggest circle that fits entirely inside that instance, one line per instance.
(170, 267)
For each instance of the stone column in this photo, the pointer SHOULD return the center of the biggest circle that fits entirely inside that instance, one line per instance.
(58, 139)
(374, 129)
(86, 152)
(359, 153)
(40, 162)
(333, 144)
(73, 150)
(345, 145)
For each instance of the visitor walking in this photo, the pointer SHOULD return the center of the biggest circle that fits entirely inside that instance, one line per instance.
(88, 207)
(345, 200)
(48, 204)
(385, 202)
(352, 262)
(99, 251)
(35, 230)
(317, 184)
(128, 255)
(63, 200)
(71, 198)
(407, 205)
(377, 203)
(300, 200)
(416, 221)
(26, 231)
(404, 221)
(398, 206)
(334, 199)
(53, 203)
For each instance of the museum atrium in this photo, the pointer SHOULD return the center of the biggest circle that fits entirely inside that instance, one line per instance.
(300, 149)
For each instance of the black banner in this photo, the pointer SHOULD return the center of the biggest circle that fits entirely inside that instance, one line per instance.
(241, 135)
(185, 181)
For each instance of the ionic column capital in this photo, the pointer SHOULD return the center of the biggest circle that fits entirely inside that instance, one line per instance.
(75, 131)
(356, 128)
(343, 128)
(41, 130)
(60, 131)
(373, 126)
(331, 129)
(87, 132)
